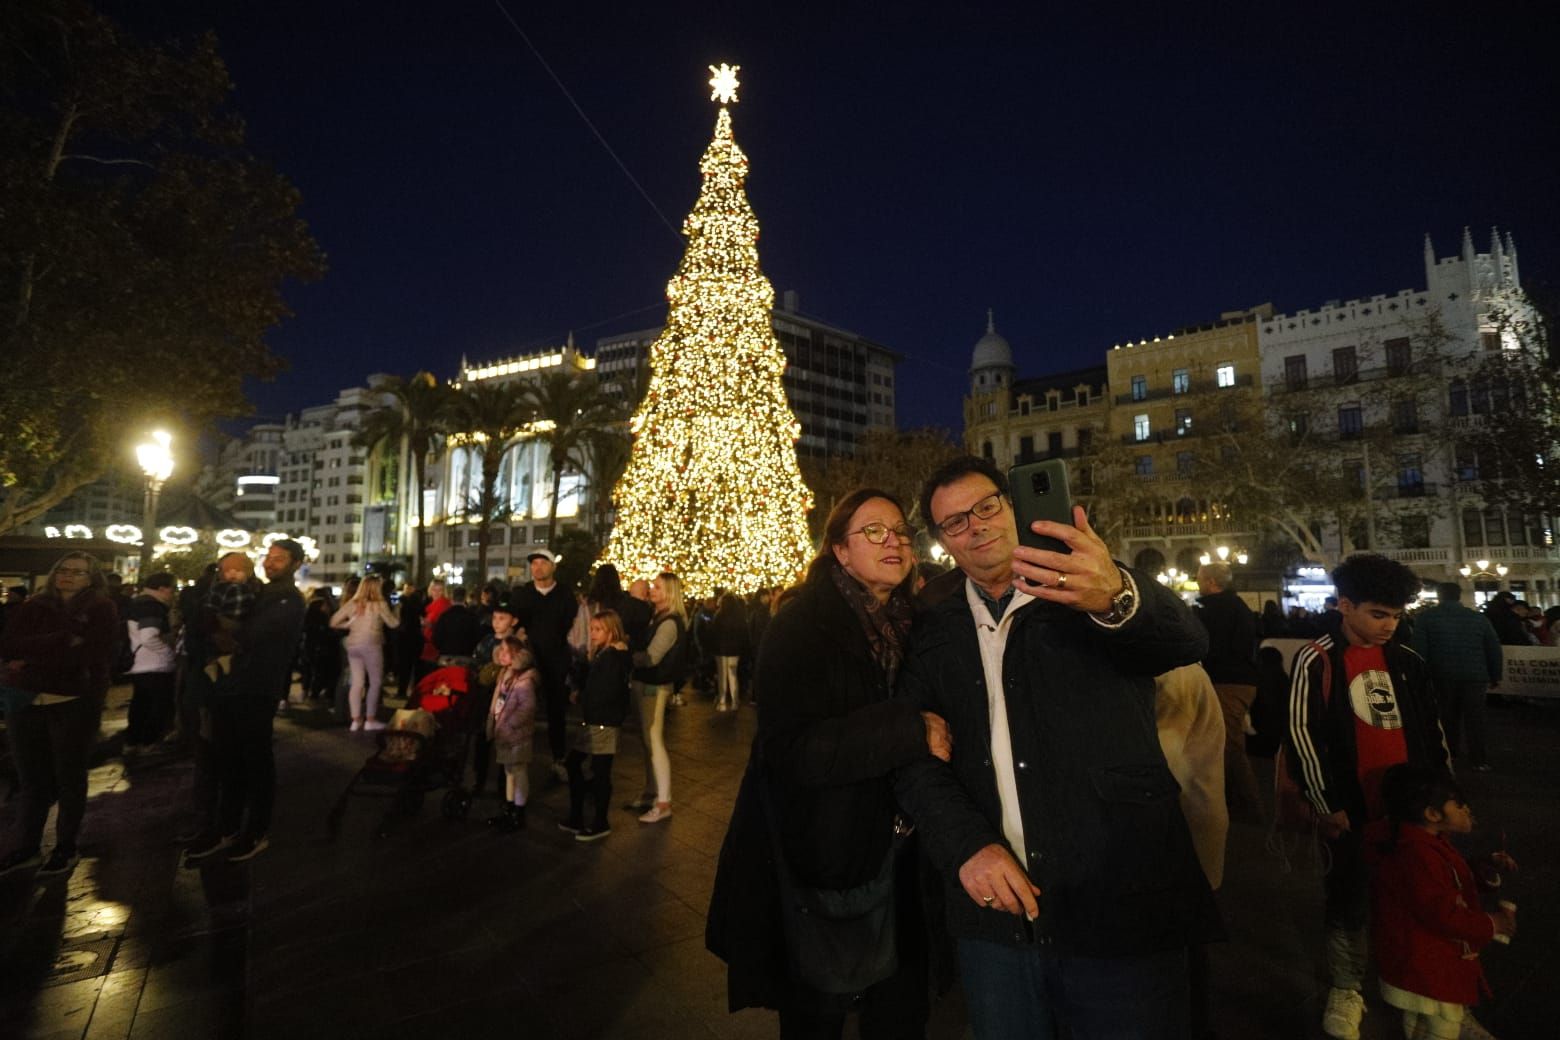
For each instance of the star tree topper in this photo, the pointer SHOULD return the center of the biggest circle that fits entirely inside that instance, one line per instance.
(723, 83)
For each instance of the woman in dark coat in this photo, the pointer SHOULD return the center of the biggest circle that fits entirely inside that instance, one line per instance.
(59, 647)
(829, 737)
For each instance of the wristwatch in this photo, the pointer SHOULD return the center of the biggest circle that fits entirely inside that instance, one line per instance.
(1122, 605)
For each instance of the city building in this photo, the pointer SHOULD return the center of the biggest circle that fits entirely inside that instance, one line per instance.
(839, 384)
(1353, 370)
(1168, 395)
(450, 541)
(1011, 420)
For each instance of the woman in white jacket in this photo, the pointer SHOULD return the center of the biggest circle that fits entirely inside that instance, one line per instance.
(365, 617)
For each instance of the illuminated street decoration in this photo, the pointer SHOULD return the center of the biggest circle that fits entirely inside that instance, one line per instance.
(712, 489)
(78, 531)
(124, 534)
(723, 83)
(232, 538)
(179, 535)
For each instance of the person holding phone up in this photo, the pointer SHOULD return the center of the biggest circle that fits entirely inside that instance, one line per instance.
(1073, 888)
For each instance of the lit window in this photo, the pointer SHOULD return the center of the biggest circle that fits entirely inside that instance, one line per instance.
(1140, 428)
(1181, 381)
(1226, 374)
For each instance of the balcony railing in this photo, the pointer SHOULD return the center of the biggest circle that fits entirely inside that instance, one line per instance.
(1329, 381)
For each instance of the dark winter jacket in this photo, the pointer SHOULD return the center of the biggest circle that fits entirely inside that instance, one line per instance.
(605, 697)
(728, 632)
(1104, 835)
(1459, 645)
(636, 615)
(457, 632)
(1320, 741)
(1232, 638)
(829, 738)
(268, 643)
(546, 618)
(65, 648)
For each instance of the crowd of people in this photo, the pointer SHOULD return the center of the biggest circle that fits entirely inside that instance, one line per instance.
(1021, 770)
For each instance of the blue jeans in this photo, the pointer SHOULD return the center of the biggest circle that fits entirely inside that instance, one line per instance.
(1030, 991)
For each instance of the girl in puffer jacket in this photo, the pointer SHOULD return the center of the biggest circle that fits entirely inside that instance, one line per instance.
(510, 724)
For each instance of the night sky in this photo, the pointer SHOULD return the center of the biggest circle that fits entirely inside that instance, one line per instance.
(1092, 182)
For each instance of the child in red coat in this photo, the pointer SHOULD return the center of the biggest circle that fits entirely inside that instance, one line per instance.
(1427, 926)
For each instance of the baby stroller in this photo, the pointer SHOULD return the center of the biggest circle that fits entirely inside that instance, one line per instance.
(424, 749)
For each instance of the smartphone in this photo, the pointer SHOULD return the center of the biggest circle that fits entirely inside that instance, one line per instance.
(1040, 492)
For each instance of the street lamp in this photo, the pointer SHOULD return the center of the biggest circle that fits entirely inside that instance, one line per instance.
(1481, 569)
(1225, 554)
(156, 459)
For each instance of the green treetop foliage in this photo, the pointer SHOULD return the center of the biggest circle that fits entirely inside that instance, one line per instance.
(143, 248)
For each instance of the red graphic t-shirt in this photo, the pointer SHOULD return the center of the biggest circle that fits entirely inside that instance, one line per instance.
(1378, 724)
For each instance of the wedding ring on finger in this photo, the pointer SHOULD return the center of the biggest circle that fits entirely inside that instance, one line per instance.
(988, 900)
(1061, 580)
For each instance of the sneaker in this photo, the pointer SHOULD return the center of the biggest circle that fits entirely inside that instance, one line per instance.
(572, 828)
(247, 848)
(639, 805)
(357, 724)
(21, 859)
(593, 833)
(677, 700)
(1341, 1019)
(204, 850)
(373, 725)
(59, 863)
(1473, 1029)
(656, 814)
(720, 705)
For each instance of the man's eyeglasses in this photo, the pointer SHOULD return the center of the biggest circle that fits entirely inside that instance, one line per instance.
(985, 509)
(877, 533)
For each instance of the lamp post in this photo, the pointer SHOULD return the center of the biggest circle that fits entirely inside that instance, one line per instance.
(1481, 569)
(1225, 554)
(156, 459)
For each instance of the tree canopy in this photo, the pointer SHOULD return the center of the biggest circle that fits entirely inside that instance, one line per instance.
(143, 248)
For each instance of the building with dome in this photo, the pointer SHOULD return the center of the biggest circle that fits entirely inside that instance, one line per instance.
(1011, 420)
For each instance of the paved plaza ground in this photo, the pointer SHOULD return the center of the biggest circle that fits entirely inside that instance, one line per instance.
(448, 929)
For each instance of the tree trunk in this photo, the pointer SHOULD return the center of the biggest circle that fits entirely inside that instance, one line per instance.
(552, 506)
(419, 467)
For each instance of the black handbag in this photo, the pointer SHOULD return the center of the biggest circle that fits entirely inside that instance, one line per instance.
(838, 941)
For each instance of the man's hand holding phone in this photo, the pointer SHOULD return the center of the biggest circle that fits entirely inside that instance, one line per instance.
(1086, 578)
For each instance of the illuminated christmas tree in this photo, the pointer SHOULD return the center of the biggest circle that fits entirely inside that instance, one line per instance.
(712, 490)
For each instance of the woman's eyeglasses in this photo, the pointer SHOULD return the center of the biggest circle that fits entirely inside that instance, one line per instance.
(877, 533)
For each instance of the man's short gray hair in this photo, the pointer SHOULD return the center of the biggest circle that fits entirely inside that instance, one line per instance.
(1218, 573)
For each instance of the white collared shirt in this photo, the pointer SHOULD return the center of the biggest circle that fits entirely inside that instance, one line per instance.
(993, 642)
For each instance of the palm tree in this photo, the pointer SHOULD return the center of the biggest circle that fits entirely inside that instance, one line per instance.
(608, 449)
(413, 421)
(489, 415)
(566, 407)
